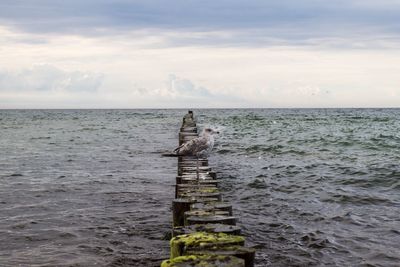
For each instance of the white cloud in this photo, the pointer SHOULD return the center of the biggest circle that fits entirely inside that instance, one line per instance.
(49, 78)
(185, 87)
(133, 71)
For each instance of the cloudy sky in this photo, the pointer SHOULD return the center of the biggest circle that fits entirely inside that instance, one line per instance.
(208, 53)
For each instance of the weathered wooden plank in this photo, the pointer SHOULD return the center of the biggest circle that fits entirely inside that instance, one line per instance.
(215, 195)
(223, 206)
(188, 129)
(188, 170)
(247, 254)
(192, 179)
(202, 213)
(181, 205)
(180, 189)
(202, 240)
(209, 228)
(194, 168)
(204, 261)
(230, 220)
(183, 134)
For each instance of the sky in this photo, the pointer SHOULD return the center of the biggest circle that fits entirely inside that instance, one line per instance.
(199, 54)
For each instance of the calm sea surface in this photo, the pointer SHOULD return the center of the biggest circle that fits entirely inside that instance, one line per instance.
(311, 187)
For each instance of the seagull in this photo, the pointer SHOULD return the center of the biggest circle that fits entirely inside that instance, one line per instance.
(198, 147)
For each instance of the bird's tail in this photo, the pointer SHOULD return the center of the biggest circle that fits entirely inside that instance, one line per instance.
(175, 152)
(170, 155)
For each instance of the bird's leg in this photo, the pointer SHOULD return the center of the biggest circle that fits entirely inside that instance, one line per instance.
(197, 169)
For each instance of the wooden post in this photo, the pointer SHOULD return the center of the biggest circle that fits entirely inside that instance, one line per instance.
(204, 228)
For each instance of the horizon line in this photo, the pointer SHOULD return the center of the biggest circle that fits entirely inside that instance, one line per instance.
(149, 108)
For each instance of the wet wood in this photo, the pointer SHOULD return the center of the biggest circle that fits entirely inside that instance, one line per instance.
(202, 240)
(190, 169)
(201, 169)
(247, 254)
(181, 205)
(197, 194)
(199, 213)
(209, 228)
(196, 186)
(188, 130)
(212, 174)
(202, 213)
(230, 220)
(204, 179)
(204, 261)
(190, 159)
(180, 189)
(221, 206)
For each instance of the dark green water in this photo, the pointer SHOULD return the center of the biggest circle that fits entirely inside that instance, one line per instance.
(311, 187)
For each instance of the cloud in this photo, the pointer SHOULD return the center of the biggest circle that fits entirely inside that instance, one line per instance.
(186, 87)
(118, 54)
(209, 22)
(49, 78)
(182, 92)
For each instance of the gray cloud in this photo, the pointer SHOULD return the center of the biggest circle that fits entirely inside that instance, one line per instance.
(256, 21)
(49, 78)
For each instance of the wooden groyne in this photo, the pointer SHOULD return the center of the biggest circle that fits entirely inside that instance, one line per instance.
(204, 227)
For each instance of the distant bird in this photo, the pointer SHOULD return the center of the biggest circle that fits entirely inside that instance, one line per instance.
(199, 147)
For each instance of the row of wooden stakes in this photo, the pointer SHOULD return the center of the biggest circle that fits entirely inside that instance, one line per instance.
(204, 228)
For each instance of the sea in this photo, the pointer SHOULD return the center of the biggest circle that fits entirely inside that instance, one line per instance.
(310, 187)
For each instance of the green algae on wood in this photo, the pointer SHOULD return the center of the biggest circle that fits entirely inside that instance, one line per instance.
(184, 188)
(247, 254)
(208, 190)
(223, 206)
(202, 240)
(204, 261)
(199, 192)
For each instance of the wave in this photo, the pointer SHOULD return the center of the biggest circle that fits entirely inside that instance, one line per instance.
(358, 199)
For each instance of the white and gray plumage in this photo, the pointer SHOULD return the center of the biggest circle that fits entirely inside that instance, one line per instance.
(198, 147)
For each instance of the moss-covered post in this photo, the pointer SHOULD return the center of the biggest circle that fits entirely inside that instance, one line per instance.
(204, 261)
(204, 229)
(202, 240)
